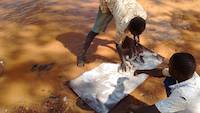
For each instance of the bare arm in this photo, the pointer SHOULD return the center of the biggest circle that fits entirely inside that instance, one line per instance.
(122, 57)
(153, 72)
(120, 52)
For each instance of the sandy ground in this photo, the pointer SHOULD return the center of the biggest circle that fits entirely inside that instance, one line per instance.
(39, 41)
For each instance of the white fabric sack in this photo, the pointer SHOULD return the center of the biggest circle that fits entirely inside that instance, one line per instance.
(103, 87)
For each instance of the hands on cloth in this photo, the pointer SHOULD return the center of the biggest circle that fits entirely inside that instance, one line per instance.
(157, 72)
(134, 50)
(137, 72)
(124, 67)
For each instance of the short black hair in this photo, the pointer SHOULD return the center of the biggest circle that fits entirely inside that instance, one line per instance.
(137, 25)
(183, 63)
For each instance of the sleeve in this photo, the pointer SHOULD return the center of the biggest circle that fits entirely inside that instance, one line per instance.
(165, 72)
(174, 103)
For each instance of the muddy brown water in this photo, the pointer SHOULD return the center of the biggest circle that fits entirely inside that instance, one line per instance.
(39, 41)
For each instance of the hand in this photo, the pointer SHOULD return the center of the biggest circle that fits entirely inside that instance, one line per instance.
(139, 59)
(123, 67)
(140, 49)
(142, 59)
(137, 72)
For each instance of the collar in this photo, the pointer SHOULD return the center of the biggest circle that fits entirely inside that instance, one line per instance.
(184, 83)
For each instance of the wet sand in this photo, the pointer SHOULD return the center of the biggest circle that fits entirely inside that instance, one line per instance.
(39, 41)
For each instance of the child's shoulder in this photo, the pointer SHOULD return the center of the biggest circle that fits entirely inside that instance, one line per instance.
(188, 91)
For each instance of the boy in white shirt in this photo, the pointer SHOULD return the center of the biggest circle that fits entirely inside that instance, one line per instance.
(130, 20)
(182, 86)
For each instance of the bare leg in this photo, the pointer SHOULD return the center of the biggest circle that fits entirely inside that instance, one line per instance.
(81, 57)
(124, 65)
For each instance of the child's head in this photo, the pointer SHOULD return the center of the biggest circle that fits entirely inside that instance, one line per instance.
(182, 66)
(137, 26)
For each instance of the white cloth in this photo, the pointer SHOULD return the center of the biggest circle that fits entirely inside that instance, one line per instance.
(103, 87)
(184, 97)
(123, 12)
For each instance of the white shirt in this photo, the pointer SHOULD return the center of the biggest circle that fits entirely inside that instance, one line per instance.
(184, 97)
(123, 12)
